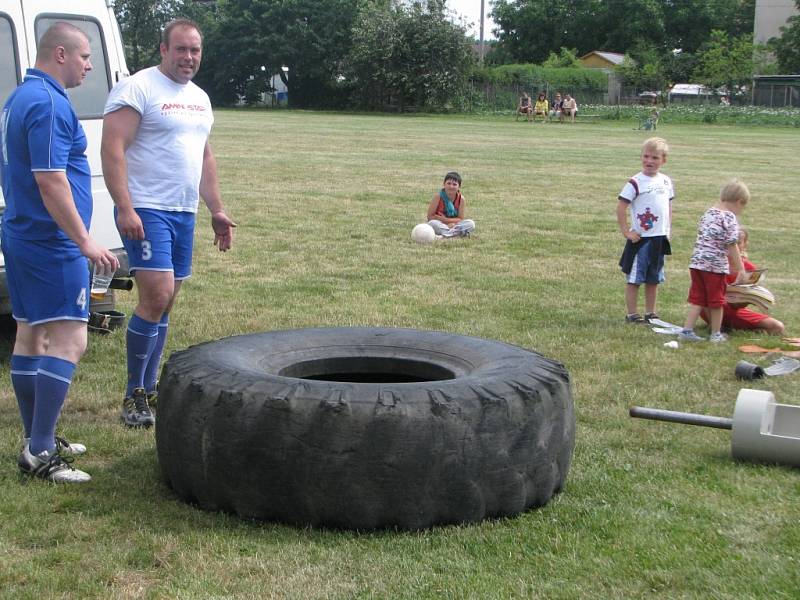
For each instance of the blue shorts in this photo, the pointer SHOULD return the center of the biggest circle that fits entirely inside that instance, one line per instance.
(44, 283)
(167, 243)
(643, 262)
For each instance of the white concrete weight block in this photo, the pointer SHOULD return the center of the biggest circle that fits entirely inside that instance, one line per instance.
(764, 431)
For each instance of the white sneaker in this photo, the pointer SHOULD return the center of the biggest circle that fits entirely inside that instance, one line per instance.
(718, 337)
(687, 335)
(63, 446)
(51, 467)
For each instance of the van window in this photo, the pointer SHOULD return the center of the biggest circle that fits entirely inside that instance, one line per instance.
(89, 98)
(9, 69)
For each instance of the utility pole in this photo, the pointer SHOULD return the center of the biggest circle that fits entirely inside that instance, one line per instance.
(482, 47)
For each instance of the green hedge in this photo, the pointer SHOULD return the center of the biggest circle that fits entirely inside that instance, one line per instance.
(561, 78)
(677, 113)
(699, 113)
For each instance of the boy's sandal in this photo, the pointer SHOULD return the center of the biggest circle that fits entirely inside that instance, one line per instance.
(634, 318)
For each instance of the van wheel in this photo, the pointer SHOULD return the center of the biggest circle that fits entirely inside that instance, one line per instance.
(364, 428)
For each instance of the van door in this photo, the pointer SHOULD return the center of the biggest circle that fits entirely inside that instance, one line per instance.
(15, 60)
(89, 98)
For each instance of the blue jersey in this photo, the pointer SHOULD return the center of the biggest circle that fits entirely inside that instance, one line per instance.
(40, 133)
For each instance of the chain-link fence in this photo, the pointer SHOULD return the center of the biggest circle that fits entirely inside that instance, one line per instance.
(777, 92)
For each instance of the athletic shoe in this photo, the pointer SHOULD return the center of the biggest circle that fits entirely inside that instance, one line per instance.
(687, 335)
(64, 447)
(718, 337)
(50, 466)
(135, 410)
(650, 317)
(634, 318)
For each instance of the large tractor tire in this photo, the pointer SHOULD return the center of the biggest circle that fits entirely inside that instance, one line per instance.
(364, 428)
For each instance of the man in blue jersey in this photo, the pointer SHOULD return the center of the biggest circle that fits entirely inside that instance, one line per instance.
(46, 244)
(157, 164)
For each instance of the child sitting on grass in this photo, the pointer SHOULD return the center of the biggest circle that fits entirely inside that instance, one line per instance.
(714, 249)
(446, 209)
(738, 316)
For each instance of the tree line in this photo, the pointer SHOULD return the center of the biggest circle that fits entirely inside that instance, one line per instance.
(401, 54)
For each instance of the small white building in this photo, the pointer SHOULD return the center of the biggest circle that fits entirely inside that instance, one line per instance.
(690, 92)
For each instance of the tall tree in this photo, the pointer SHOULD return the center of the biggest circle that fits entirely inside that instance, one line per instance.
(726, 61)
(531, 29)
(141, 22)
(411, 54)
(688, 23)
(787, 46)
(309, 37)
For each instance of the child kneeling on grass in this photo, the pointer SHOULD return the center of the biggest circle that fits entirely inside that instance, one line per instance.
(446, 209)
(714, 249)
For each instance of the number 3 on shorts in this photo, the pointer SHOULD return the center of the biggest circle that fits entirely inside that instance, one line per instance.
(147, 251)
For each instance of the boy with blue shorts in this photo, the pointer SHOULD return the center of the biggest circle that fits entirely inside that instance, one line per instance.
(647, 199)
(46, 244)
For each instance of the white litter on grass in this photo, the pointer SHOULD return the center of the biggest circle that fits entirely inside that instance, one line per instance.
(665, 327)
(674, 330)
(672, 344)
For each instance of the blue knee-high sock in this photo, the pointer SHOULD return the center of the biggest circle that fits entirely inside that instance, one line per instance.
(52, 384)
(151, 372)
(23, 380)
(141, 339)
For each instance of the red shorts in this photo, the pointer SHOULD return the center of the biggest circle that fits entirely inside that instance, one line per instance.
(707, 289)
(742, 318)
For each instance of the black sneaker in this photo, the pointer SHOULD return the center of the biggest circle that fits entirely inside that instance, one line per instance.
(50, 466)
(136, 411)
(634, 318)
(650, 317)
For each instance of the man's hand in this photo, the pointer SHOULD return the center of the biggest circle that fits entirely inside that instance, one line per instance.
(129, 224)
(99, 255)
(632, 236)
(223, 230)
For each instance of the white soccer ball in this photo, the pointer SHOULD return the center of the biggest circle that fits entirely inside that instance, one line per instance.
(423, 234)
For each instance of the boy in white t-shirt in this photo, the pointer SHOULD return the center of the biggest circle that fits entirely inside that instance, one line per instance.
(647, 198)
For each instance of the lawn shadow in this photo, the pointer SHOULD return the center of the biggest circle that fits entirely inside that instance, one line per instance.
(8, 331)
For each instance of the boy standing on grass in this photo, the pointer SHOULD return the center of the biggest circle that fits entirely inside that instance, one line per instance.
(647, 197)
(717, 235)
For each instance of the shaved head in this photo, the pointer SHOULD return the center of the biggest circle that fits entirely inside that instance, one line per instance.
(61, 34)
(64, 52)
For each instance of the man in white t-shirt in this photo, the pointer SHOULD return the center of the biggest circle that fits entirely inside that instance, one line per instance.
(157, 163)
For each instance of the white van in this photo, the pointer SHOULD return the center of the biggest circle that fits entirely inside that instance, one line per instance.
(22, 22)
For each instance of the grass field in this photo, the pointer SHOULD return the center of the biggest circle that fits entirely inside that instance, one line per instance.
(325, 204)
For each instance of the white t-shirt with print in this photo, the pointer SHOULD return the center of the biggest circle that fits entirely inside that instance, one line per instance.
(165, 160)
(649, 199)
